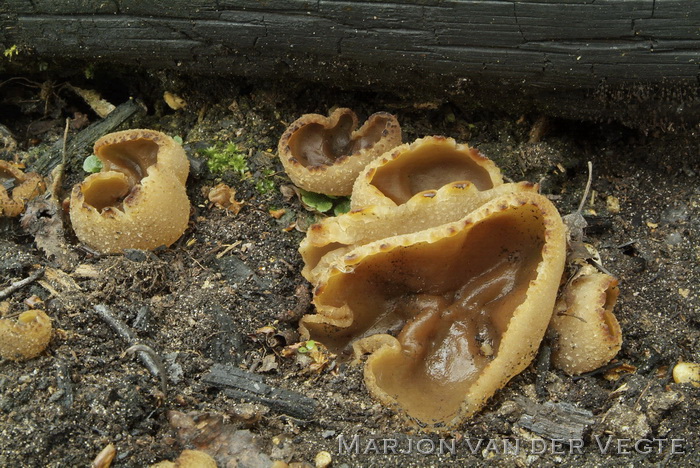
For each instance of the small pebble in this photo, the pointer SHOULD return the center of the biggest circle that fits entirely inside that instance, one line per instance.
(674, 238)
(323, 459)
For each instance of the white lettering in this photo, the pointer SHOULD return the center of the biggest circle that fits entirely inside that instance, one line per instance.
(473, 449)
(538, 446)
(389, 445)
(371, 447)
(511, 448)
(603, 450)
(576, 446)
(345, 448)
(450, 448)
(677, 447)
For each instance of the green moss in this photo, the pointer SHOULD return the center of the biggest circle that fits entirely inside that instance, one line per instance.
(11, 51)
(226, 157)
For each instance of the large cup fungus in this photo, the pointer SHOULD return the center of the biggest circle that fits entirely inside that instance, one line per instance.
(468, 303)
(325, 154)
(138, 200)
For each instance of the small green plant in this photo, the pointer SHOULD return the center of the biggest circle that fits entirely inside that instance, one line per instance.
(178, 139)
(89, 71)
(324, 203)
(341, 206)
(308, 346)
(92, 164)
(317, 201)
(265, 186)
(222, 157)
(11, 51)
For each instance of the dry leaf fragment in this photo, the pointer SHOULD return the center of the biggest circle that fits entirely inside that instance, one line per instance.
(174, 101)
(224, 197)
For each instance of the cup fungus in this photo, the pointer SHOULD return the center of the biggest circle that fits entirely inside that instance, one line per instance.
(586, 332)
(325, 154)
(422, 166)
(27, 337)
(335, 236)
(451, 313)
(138, 200)
(16, 188)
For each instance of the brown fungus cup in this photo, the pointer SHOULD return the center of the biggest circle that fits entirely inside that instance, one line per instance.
(325, 154)
(138, 200)
(16, 188)
(25, 338)
(449, 314)
(424, 165)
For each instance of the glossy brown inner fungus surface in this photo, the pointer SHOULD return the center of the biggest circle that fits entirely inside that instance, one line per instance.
(444, 300)
(325, 154)
(422, 167)
(418, 171)
(316, 145)
(132, 158)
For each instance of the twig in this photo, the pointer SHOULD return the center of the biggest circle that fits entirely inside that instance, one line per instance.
(142, 348)
(21, 283)
(123, 330)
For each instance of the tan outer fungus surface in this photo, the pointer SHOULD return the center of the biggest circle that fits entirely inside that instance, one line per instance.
(586, 332)
(335, 236)
(424, 165)
(468, 302)
(16, 188)
(189, 459)
(325, 154)
(27, 337)
(139, 199)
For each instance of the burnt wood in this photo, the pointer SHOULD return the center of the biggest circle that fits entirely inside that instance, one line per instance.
(612, 52)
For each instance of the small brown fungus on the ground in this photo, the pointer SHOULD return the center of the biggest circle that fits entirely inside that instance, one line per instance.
(325, 154)
(16, 188)
(27, 337)
(426, 164)
(687, 372)
(450, 314)
(586, 332)
(138, 200)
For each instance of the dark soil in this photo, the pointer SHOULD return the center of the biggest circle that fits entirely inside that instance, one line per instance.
(203, 300)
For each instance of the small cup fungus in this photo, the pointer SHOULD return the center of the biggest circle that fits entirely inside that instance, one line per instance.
(586, 332)
(16, 188)
(422, 166)
(453, 312)
(27, 337)
(138, 200)
(325, 154)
